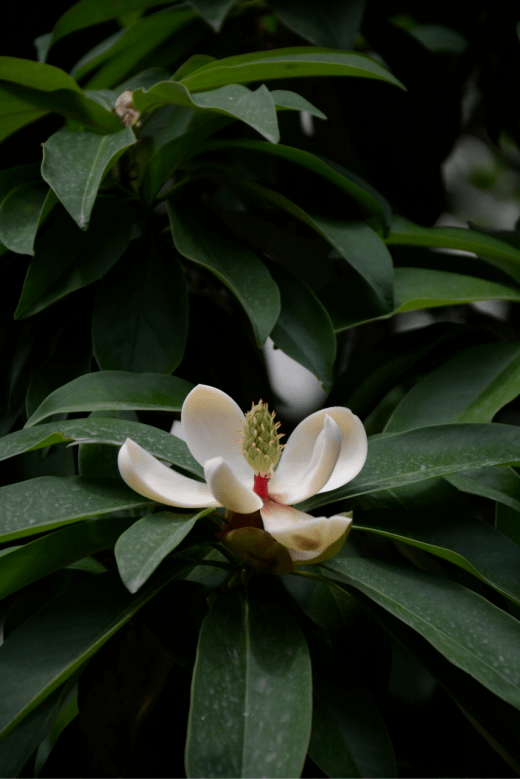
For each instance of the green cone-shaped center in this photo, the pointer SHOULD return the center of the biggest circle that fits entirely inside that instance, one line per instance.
(262, 447)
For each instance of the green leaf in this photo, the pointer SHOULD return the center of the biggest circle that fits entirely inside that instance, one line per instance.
(47, 502)
(344, 179)
(395, 459)
(406, 233)
(265, 696)
(296, 62)
(471, 632)
(170, 154)
(356, 242)
(348, 737)
(56, 550)
(74, 165)
(96, 430)
(500, 484)
(68, 259)
(213, 11)
(63, 635)
(257, 109)
(471, 387)
(468, 542)
(22, 213)
(507, 522)
(115, 390)
(334, 24)
(31, 89)
(143, 547)
(200, 238)
(284, 99)
(304, 330)
(140, 315)
(137, 48)
(351, 302)
(86, 13)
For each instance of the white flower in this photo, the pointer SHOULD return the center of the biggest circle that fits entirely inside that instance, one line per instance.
(325, 451)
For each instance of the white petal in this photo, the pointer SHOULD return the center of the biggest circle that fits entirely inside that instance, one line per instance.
(177, 430)
(213, 423)
(151, 478)
(323, 461)
(301, 532)
(297, 455)
(228, 489)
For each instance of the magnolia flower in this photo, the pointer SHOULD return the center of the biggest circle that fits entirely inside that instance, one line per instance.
(248, 470)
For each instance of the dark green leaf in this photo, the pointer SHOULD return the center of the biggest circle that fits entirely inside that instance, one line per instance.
(56, 550)
(344, 179)
(63, 635)
(471, 387)
(140, 316)
(200, 238)
(22, 212)
(284, 99)
(143, 547)
(466, 628)
(467, 542)
(115, 390)
(500, 484)
(68, 259)
(349, 738)
(296, 62)
(213, 11)
(250, 707)
(304, 330)
(416, 455)
(334, 24)
(47, 502)
(31, 89)
(257, 109)
(74, 165)
(507, 521)
(113, 432)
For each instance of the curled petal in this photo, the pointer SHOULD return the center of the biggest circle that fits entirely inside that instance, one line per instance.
(303, 534)
(298, 454)
(213, 424)
(151, 478)
(228, 489)
(324, 457)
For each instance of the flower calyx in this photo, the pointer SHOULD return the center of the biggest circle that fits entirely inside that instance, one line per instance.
(261, 441)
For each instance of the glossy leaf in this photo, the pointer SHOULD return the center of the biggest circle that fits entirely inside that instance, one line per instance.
(67, 259)
(140, 315)
(468, 542)
(348, 737)
(297, 62)
(344, 179)
(351, 301)
(507, 522)
(396, 459)
(22, 212)
(74, 165)
(38, 558)
(471, 387)
(466, 628)
(115, 390)
(250, 707)
(213, 11)
(257, 109)
(48, 502)
(334, 24)
(304, 330)
(32, 89)
(356, 242)
(86, 13)
(143, 547)
(291, 101)
(63, 634)
(201, 239)
(500, 484)
(96, 430)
